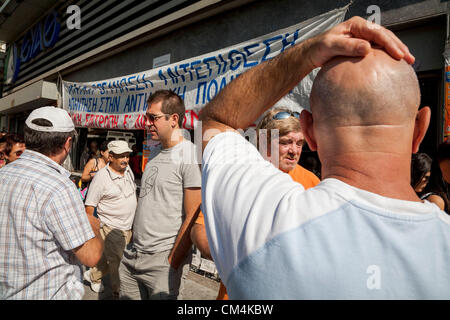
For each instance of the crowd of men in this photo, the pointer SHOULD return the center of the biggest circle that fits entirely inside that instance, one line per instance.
(359, 233)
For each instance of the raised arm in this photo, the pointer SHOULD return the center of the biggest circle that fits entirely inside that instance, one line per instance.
(241, 102)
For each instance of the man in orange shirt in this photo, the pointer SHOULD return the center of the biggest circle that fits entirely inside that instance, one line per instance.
(289, 143)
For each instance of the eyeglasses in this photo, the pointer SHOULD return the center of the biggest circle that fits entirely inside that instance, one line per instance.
(153, 117)
(285, 114)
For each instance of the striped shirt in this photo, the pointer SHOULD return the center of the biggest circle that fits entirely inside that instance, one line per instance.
(42, 219)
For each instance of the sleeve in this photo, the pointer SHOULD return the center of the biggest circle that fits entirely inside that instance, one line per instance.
(190, 171)
(200, 219)
(95, 190)
(66, 218)
(241, 196)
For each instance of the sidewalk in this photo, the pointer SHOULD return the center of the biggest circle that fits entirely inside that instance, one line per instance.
(197, 287)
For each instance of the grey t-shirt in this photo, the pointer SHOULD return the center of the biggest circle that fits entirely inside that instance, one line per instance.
(160, 211)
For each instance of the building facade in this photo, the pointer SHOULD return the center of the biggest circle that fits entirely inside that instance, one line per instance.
(91, 40)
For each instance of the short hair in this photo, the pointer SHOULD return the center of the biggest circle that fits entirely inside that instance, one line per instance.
(171, 103)
(3, 139)
(284, 126)
(443, 151)
(11, 139)
(47, 143)
(104, 146)
(420, 165)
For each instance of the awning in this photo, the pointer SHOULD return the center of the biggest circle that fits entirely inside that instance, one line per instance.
(36, 95)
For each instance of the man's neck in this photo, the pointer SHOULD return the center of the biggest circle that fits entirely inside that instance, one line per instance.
(369, 158)
(175, 138)
(384, 174)
(119, 172)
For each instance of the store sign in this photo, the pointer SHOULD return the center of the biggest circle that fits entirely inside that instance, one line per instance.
(120, 103)
(12, 64)
(41, 36)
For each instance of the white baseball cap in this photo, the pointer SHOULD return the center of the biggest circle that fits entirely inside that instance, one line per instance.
(118, 147)
(60, 119)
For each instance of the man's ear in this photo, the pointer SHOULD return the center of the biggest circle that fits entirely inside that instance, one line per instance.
(175, 119)
(420, 127)
(68, 144)
(306, 123)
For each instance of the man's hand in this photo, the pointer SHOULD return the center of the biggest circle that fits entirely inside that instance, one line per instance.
(352, 38)
(241, 102)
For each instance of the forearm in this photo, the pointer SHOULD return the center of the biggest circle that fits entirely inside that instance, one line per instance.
(183, 242)
(200, 240)
(86, 175)
(95, 223)
(91, 251)
(241, 102)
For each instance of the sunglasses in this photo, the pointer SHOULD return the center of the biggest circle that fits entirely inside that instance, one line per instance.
(285, 114)
(153, 117)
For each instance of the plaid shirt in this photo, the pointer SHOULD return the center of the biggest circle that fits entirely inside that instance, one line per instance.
(42, 219)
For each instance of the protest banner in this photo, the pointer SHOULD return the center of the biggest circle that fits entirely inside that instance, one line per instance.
(120, 103)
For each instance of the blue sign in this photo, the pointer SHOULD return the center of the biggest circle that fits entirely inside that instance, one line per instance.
(41, 36)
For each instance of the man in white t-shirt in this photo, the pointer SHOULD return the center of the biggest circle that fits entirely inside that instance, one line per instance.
(362, 233)
(113, 192)
(156, 263)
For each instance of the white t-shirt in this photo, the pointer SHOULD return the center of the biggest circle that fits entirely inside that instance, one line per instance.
(160, 212)
(114, 196)
(270, 239)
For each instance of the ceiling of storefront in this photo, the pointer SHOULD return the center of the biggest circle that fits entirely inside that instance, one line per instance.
(12, 13)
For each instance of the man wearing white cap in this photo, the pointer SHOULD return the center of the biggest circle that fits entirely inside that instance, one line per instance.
(113, 192)
(44, 232)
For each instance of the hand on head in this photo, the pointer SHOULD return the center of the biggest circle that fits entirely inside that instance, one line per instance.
(352, 38)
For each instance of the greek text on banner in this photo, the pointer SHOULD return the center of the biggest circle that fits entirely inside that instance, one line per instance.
(120, 103)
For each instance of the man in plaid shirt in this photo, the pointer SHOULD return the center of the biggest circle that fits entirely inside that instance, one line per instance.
(44, 231)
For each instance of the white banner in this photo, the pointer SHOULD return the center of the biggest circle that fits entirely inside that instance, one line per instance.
(120, 103)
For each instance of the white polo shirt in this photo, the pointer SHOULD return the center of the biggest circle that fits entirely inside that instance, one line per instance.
(114, 196)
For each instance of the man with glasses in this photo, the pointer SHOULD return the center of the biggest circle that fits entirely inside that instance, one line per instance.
(14, 147)
(113, 192)
(157, 262)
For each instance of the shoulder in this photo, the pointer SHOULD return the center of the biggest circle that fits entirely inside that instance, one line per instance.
(304, 176)
(437, 200)
(101, 175)
(90, 163)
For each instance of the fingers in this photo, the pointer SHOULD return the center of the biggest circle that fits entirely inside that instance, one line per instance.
(361, 28)
(332, 45)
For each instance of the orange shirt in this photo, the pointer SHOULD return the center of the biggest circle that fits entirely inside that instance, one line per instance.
(304, 177)
(299, 174)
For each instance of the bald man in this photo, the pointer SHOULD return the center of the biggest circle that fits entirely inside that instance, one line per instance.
(362, 233)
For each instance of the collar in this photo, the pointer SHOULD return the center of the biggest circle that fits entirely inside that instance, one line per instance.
(381, 203)
(38, 157)
(114, 175)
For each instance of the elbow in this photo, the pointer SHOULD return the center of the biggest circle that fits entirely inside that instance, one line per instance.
(93, 260)
(95, 254)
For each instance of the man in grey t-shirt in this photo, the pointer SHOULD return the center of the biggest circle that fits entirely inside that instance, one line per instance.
(157, 261)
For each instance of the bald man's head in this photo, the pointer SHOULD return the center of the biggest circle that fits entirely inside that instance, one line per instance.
(373, 90)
